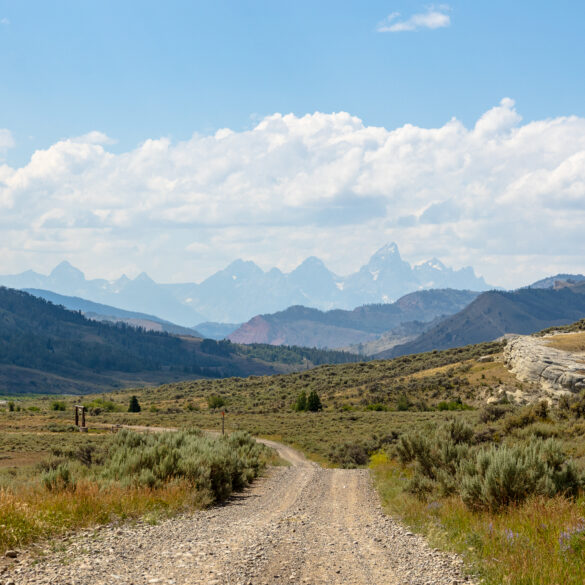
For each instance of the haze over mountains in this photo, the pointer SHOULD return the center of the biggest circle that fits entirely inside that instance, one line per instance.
(243, 290)
(338, 328)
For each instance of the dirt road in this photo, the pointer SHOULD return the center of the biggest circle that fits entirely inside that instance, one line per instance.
(299, 525)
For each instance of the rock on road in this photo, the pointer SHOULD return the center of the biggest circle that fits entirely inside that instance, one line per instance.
(300, 524)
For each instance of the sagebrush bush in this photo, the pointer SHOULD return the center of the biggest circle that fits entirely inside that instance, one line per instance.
(498, 476)
(445, 461)
(58, 479)
(216, 465)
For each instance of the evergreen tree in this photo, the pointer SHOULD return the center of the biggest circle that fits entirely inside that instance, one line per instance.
(314, 402)
(301, 403)
(134, 405)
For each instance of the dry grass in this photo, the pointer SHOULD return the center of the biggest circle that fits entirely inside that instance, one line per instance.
(574, 342)
(33, 513)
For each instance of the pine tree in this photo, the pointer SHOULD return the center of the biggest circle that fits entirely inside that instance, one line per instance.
(134, 405)
(314, 402)
(301, 403)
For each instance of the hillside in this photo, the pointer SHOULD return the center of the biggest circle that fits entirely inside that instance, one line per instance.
(337, 328)
(558, 279)
(496, 313)
(101, 312)
(45, 348)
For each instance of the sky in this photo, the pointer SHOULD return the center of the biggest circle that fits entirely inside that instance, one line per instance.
(175, 137)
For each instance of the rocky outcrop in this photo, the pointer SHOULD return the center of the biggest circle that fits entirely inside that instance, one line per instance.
(557, 372)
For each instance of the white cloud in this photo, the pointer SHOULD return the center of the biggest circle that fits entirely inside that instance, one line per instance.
(322, 184)
(433, 18)
(5, 21)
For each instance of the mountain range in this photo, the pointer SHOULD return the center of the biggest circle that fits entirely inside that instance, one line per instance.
(243, 289)
(496, 313)
(338, 328)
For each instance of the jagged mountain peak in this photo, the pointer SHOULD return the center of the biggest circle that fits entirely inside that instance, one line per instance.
(144, 279)
(65, 270)
(389, 250)
(433, 264)
(243, 268)
(310, 264)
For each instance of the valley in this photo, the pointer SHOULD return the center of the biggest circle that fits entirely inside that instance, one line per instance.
(370, 413)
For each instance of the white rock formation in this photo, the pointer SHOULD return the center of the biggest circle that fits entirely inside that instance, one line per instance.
(556, 371)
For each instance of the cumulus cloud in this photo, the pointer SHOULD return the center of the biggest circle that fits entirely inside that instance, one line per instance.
(490, 195)
(433, 18)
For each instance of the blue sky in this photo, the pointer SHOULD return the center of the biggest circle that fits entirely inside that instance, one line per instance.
(138, 70)
(132, 78)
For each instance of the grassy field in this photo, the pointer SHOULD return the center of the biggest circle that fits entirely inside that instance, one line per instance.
(370, 410)
(569, 342)
(53, 480)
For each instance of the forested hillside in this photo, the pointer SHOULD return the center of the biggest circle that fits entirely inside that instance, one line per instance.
(46, 348)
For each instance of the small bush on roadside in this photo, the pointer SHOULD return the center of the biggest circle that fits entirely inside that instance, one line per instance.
(215, 465)
(58, 479)
(349, 455)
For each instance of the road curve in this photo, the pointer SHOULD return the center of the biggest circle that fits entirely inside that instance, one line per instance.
(300, 524)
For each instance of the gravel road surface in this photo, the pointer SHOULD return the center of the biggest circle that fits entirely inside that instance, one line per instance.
(300, 524)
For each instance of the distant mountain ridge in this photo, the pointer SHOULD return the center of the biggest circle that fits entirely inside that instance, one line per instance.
(243, 289)
(100, 312)
(337, 328)
(558, 280)
(495, 313)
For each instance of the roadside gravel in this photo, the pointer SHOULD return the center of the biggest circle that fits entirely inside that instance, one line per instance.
(298, 525)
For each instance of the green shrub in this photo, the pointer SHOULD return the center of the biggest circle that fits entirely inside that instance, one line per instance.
(58, 479)
(215, 401)
(492, 412)
(349, 455)
(498, 476)
(216, 465)
(456, 404)
(301, 402)
(58, 405)
(377, 407)
(435, 457)
(526, 416)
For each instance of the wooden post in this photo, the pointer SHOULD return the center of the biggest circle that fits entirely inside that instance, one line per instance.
(222, 422)
(80, 409)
